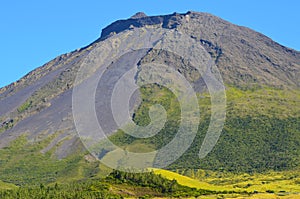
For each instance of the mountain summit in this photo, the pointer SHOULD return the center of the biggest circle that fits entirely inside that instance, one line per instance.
(138, 15)
(261, 79)
(234, 48)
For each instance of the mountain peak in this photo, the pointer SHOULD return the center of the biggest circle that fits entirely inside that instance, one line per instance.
(140, 20)
(138, 15)
(40, 105)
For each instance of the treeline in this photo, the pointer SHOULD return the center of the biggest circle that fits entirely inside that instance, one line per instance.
(160, 184)
(87, 190)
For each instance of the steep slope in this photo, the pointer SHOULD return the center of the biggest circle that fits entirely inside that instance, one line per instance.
(242, 55)
(262, 85)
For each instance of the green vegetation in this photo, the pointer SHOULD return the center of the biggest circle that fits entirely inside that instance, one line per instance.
(278, 182)
(116, 185)
(43, 176)
(261, 133)
(158, 183)
(6, 125)
(22, 163)
(263, 101)
(88, 190)
(257, 154)
(152, 95)
(25, 106)
(249, 145)
(7, 186)
(165, 184)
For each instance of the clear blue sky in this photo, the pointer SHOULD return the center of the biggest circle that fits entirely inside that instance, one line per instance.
(33, 31)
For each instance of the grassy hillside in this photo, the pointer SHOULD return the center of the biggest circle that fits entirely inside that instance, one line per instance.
(261, 133)
(7, 186)
(80, 176)
(166, 184)
(281, 183)
(22, 163)
(116, 185)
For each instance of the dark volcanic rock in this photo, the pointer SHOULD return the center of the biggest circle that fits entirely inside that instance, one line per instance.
(166, 21)
(139, 15)
(243, 56)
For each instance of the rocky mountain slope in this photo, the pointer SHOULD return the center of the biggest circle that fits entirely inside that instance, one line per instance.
(241, 54)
